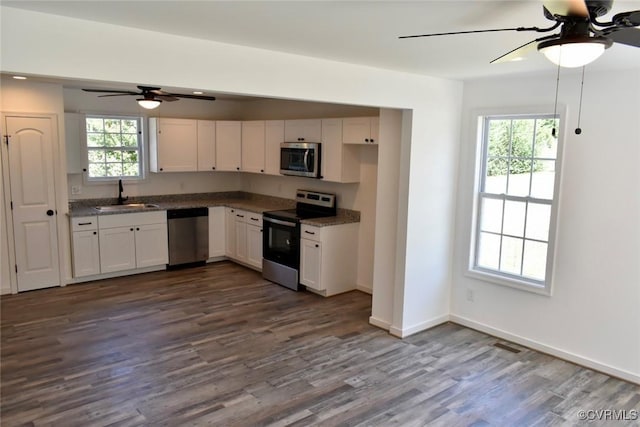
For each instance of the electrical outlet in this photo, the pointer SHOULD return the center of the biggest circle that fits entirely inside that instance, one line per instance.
(470, 295)
(76, 189)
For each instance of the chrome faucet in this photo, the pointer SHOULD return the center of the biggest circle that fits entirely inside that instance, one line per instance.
(120, 190)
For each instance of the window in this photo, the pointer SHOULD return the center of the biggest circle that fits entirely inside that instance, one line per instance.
(515, 211)
(114, 147)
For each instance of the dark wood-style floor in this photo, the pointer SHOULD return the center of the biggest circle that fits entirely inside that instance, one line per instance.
(218, 345)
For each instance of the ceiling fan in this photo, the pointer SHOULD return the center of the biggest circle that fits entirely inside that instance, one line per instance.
(582, 38)
(151, 96)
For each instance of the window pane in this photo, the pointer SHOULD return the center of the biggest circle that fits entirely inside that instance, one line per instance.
(130, 140)
(95, 139)
(496, 179)
(130, 126)
(97, 170)
(130, 169)
(519, 176)
(489, 251)
(499, 137)
(538, 217)
(112, 139)
(546, 144)
(491, 215)
(535, 260)
(522, 140)
(114, 156)
(96, 156)
(130, 156)
(511, 257)
(112, 125)
(514, 213)
(114, 169)
(543, 179)
(95, 125)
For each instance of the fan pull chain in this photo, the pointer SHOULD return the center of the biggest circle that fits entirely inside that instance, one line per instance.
(578, 130)
(555, 104)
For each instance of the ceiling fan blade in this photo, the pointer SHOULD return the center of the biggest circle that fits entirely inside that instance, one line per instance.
(123, 92)
(148, 88)
(627, 19)
(628, 36)
(167, 97)
(118, 94)
(203, 97)
(567, 7)
(521, 51)
(474, 31)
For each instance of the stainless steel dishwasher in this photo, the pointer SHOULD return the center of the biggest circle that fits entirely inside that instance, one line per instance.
(188, 236)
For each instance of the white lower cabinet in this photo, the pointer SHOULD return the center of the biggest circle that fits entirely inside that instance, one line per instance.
(129, 241)
(244, 237)
(217, 244)
(85, 246)
(329, 258)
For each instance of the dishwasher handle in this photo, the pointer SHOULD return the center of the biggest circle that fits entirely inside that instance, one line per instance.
(187, 213)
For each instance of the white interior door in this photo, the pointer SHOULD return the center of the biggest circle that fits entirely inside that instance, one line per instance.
(32, 186)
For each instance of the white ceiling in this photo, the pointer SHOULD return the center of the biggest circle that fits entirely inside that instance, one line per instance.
(362, 32)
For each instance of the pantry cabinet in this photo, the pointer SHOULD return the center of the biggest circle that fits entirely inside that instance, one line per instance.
(228, 145)
(173, 145)
(308, 130)
(360, 130)
(340, 162)
(327, 257)
(253, 146)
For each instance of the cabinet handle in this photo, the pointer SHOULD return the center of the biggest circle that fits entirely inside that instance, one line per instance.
(137, 229)
(254, 219)
(372, 141)
(84, 169)
(262, 170)
(317, 245)
(237, 168)
(240, 216)
(85, 223)
(161, 169)
(95, 232)
(131, 229)
(213, 167)
(309, 232)
(366, 140)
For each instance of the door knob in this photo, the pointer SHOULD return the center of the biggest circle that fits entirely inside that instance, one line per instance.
(50, 212)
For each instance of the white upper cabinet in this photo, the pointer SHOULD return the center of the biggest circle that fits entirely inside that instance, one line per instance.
(206, 145)
(274, 136)
(253, 146)
(360, 130)
(228, 145)
(73, 130)
(173, 145)
(340, 163)
(303, 130)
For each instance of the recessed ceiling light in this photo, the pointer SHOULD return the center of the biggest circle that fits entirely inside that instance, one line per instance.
(20, 77)
(197, 92)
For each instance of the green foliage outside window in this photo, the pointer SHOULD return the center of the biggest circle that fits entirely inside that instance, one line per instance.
(113, 147)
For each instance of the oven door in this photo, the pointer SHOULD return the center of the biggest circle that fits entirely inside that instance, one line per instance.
(300, 159)
(281, 241)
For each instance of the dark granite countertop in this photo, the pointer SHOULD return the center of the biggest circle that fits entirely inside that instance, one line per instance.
(251, 202)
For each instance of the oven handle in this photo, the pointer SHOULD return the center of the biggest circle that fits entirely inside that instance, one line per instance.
(279, 221)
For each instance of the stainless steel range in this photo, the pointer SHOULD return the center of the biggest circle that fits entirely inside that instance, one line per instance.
(281, 236)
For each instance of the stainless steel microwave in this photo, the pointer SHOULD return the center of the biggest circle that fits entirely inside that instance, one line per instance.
(300, 159)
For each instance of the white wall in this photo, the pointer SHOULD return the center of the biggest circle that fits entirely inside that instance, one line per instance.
(18, 96)
(56, 46)
(593, 316)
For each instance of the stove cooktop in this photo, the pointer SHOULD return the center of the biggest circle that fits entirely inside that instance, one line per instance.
(294, 214)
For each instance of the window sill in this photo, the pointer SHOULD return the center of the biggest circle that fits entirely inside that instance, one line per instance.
(509, 282)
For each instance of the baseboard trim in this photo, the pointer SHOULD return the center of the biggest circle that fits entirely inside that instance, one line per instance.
(365, 289)
(419, 327)
(74, 281)
(379, 323)
(543, 348)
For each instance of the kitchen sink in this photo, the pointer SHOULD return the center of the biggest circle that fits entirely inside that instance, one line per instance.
(126, 207)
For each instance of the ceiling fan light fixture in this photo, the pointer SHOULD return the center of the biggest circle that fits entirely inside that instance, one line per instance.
(149, 104)
(575, 51)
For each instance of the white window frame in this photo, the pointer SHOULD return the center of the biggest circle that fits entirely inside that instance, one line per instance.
(142, 152)
(498, 277)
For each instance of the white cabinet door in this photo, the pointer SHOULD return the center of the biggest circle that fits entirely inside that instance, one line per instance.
(340, 163)
(253, 140)
(230, 233)
(308, 130)
(274, 136)
(254, 245)
(173, 144)
(310, 263)
(360, 130)
(151, 244)
(206, 145)
(86, 253)
(240, 231)
(228, 145)
(117, 249)
(73, 125)
(217, 231)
